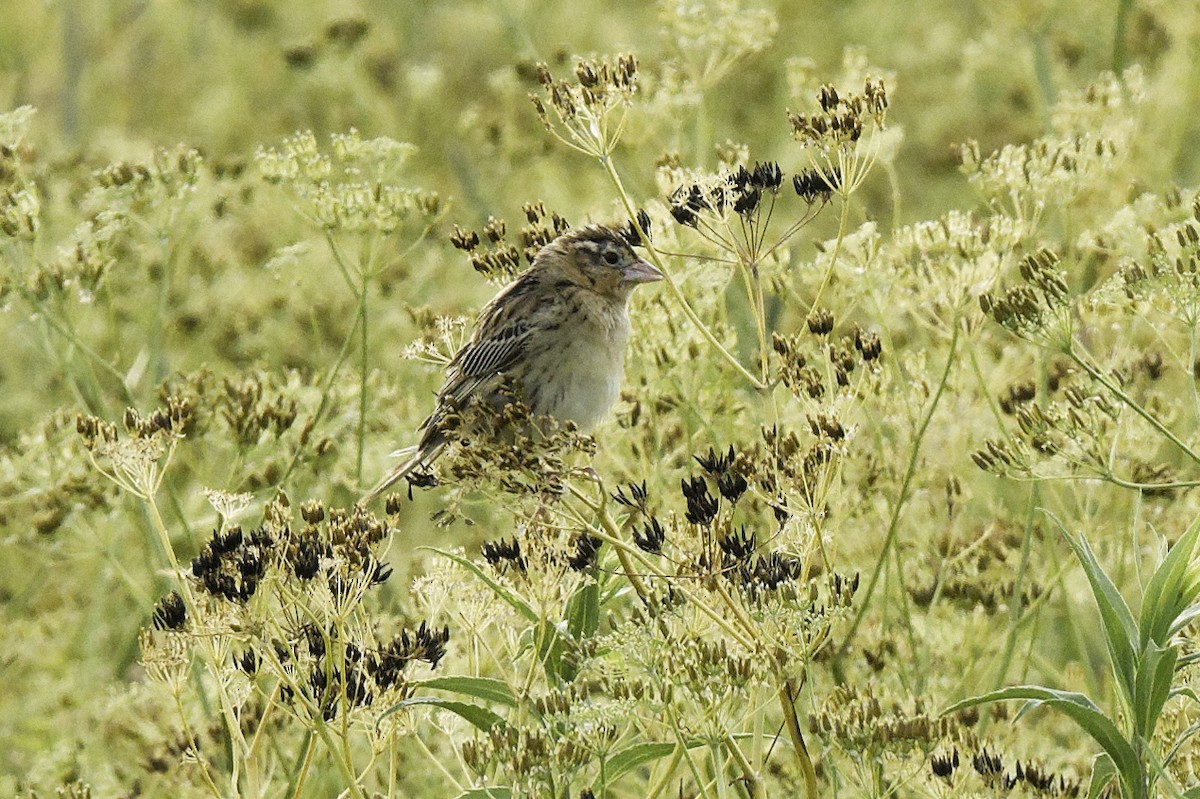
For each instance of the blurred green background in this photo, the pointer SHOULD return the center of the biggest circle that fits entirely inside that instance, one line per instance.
(226, 76)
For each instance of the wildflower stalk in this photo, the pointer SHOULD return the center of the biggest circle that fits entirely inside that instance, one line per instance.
(1010, 642)
(619, 546)
(655, 790)
(339, 756)
(201, 761)
(843, 221)
(750, 778)
(905, 487)
(326, 389)
(1103, 380)
(363, 364)
(787, 702)
(296, 786)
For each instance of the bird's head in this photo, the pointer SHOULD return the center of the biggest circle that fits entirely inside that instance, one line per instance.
(597, 258)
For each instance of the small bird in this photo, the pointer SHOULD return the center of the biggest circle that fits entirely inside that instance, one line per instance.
(557, 333)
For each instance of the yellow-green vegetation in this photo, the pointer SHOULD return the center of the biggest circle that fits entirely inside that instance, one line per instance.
(899, 498)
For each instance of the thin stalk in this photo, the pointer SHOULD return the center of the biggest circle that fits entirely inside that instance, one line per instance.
(346, 769)
(749, 777)
(658, 787)
(363, 364)
(191, 739)
(325, 391)
(310, 746)
(787, 701)
(905, 487)
(837, 248)
(1100, 378)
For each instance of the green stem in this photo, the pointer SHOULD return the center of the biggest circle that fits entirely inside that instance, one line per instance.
(1100, 378)
(787, 701)
(658, 787)
(335, 752)
(363, 364)
(837, 248)
(749, 777)
(1010, 643)
(902, 498)
(310, 746)
(1118, 48)
(321, 405)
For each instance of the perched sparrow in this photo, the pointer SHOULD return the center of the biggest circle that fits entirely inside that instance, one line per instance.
(557, 332)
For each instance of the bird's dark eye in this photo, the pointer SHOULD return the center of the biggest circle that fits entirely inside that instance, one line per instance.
(611, 258)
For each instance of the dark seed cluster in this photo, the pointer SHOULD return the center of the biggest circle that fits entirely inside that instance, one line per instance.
(845, 354)
(840, 122)
(337, 546)
(990, 767)
(171, 420)
(504, 553)
(598, 83)
(1026, 307)
(170, 612)
(743, 191)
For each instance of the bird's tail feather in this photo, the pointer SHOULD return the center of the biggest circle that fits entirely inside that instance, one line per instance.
(415, 458)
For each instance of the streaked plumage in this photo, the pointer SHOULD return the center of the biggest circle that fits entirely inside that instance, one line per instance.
(558, 332)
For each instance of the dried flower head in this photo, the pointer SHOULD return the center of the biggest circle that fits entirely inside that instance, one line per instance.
(588, 113)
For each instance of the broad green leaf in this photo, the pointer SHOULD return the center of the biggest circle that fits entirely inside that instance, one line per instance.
(478, 687)
(583, 612)
(1120, 630)
(480, 717)
(1103, 772)
(486, 793)
(1156, 670)
(1183, 620)
(633, 757)
(512, 599)
(1164, 598)
(1082, 711)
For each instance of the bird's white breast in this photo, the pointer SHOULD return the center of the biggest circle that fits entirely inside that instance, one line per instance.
(583, 375)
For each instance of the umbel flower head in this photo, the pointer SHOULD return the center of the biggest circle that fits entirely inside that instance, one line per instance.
(588, 113)
(833, 134)
(287, 599)
(135, 460)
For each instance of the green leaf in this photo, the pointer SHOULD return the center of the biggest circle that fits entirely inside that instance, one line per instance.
(512, 599)
(633, 757)
(1120, 630)
(1103, 771)
(551, 647)
(583, 612)
(1082, 711)
(1156, 671)
(1164, 599)
(1183, 620)
(486, 793)
(480, 717)
(478, 687)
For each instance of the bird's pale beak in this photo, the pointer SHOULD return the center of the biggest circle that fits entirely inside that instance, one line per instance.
(641, 272)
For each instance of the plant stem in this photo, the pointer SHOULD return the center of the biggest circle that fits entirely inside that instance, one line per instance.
(837, 248)
(902, 497)
(787, 701)
(363, 364)
(1100, 378)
